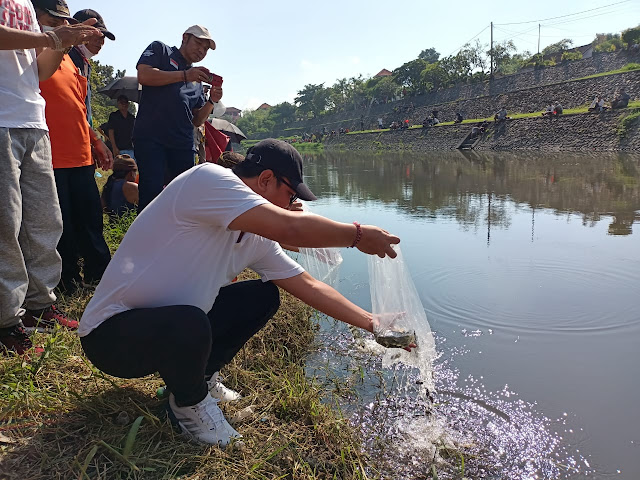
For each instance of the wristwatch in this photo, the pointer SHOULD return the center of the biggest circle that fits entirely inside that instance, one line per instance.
(212, 103)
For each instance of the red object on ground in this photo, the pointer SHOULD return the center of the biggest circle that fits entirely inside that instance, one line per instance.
(215, 142)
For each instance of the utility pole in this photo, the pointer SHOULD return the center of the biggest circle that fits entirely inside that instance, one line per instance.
(538, 39)
(491, 54)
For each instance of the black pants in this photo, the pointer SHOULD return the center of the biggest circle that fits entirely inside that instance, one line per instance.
(158, 165)
(181, 342)
(82, 226)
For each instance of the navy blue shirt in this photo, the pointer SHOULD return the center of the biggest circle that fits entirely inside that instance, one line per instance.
(85, 70)
(165, 113)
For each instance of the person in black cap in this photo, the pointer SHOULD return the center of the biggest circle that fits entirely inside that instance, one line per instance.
(80, 54)
(167, 302)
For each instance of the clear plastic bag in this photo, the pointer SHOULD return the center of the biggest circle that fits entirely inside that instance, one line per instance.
(321, 263)
(401, 318)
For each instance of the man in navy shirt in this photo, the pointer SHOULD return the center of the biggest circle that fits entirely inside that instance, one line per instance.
(172, 102)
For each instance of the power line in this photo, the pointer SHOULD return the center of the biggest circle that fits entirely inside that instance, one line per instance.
(476, 35)
(564, 16)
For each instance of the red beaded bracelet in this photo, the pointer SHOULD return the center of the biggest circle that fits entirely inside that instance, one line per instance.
(358, 235)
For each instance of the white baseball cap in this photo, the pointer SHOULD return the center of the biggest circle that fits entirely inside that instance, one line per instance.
(199, 31)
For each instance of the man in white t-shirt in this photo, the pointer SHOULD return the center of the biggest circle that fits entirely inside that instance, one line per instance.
(30, 220)
(167, 301)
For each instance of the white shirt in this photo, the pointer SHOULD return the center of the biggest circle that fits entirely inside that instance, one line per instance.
(179, 251)
(21, 105)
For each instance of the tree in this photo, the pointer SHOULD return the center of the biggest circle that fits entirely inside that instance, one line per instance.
(429, 55)
(101, 105)
(409, 75)
(313, 99)
(631, 36)
(283, 113)
(557, 47)
(385, 88)
(434, 77)
(501, 55)
(255, 122)
(468, 64)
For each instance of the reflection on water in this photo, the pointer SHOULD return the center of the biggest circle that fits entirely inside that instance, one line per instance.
(475, 189)
(528, 270)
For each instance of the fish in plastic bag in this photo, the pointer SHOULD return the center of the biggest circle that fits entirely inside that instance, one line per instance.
(400, 316)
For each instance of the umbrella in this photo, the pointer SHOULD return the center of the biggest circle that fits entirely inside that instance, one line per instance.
(234, 133)
(128, 86)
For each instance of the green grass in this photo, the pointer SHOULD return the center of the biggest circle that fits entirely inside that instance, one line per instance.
(628, 121)
(629, 67)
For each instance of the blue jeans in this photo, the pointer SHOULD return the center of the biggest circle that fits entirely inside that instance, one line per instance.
(158, 165)
(128, 152)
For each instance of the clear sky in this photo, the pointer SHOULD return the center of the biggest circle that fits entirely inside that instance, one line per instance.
(268, 50)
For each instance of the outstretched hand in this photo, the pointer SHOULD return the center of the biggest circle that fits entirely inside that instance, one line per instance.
(80, 33)
(376, 241)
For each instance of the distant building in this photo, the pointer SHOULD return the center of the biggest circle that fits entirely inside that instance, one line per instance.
(233, 114)
(264, 106)
(383, 73)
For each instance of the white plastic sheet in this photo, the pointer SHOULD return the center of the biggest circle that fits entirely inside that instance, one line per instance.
(396, 306)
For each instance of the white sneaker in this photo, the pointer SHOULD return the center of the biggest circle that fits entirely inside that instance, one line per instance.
(204, 422)
(219, 391)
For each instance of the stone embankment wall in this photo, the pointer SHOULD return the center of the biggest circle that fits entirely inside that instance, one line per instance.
(583, 132)
(476, 99)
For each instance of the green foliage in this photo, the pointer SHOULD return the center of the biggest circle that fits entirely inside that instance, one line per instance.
(313, 99)
(429, 55)
(255, 122)
(608, 42)
(501, 55)
(631, 36)
(408, 75)
(385, 88)
(283, 113)
(627, 122)
(101, 105)
(557, 47)
(571, 56)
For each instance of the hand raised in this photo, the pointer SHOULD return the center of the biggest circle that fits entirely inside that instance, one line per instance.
(77, 34)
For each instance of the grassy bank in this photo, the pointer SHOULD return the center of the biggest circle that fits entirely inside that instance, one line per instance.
(60, 417)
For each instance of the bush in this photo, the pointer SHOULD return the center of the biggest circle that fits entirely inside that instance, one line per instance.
(571, 56)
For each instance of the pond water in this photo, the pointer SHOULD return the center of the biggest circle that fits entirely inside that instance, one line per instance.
(528, 267)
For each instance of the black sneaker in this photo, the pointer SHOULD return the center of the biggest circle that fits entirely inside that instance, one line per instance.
(16, 340)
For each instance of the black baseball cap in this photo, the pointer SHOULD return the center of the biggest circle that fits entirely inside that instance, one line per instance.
(283, 160)
(55, 8)
(86, 14)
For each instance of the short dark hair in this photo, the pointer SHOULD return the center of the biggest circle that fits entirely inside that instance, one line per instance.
(122, 99)
(248, 169)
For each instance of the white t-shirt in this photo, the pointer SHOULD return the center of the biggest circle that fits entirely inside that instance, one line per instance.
(179, 251)
(21, 105)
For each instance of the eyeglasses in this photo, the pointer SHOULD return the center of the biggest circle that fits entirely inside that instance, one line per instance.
(280, 178)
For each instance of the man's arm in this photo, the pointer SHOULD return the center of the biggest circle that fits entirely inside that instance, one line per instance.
(48, 58)
(201, 114)
(324, 298)
(112, 139)
(154, 77)
(302, 229)
(102, 154)
(14, 39)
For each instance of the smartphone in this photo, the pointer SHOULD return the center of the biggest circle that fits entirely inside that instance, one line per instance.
(214, 80)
